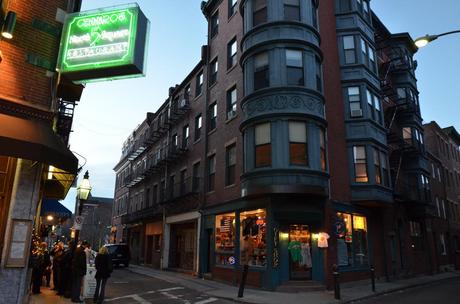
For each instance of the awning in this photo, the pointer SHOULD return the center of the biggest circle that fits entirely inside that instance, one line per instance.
(34, 140)
(54, 208)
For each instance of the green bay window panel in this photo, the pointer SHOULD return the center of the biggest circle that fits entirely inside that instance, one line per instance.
(102, 44)
(298, 152)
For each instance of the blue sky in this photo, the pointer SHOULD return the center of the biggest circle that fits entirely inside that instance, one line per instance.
(109, 111)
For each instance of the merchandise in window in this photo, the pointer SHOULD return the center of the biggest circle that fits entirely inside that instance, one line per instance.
(253, 245)
(351, 233)
(225, 238)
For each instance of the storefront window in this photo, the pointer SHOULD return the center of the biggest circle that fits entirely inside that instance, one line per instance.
(253, 246)
(225, 239)
(351, 233)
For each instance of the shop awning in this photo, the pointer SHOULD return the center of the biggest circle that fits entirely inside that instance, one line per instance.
(34, 140)
(54, 208)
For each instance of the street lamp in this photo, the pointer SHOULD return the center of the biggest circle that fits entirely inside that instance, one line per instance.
(422, 41)
(83, 191)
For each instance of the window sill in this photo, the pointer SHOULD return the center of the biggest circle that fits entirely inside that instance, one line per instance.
(230, 119)
(213, 84)
(210, 192)
(232, 67)
(212, 131)
(197, 96)
(230, 186)
(197, 141)
(234, 13)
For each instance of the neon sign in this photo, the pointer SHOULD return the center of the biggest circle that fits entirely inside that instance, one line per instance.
(105, 43)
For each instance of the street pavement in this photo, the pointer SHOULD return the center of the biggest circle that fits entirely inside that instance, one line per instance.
(126, 287)
(444, 292)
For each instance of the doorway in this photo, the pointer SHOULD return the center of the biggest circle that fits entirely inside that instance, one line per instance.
(300, 261)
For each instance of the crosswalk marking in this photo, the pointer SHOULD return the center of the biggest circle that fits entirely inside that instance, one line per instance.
(170, 289)
(210, 300)
(140, 300)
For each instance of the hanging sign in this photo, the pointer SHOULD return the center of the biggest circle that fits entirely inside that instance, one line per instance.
(104, 44)
(78, 222)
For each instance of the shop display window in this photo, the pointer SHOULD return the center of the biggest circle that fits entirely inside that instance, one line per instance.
(225, 239)
(253, 233)
(351, 233)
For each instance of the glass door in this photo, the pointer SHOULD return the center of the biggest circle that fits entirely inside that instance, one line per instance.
(300, 262)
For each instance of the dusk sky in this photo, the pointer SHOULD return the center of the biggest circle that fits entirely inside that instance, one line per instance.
(109, 111)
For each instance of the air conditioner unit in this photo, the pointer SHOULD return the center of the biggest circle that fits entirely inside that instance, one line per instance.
(357, 113)
(231, 114)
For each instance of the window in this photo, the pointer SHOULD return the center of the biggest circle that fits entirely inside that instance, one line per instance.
(231, 7)
(298, 152)
(214, 24)
(438, 208)
(198, 125)
(415, 235)
(214, 69)
(351, 231)
(322, 149)
(370, 101)
(261, 71)
(199, 84)
(378, 113)
(294, 66)
(196, 177)
(230, 165)
(292, 10)
(442, 243)
(314, 13)
(443, 206)
(377, 164)
(187, 92)
(185, 136)
(225, 238)
(383, 164)
(344, 5)
(407, 135)
(211, 172)
(182, 181)
(349, 49)
(354, 99)
(374, 106)
(263, 147)
(231, 102)
(253, 238)
(426, 191)
(232, 49)
(212, 116)
(259, 15)
(319, 76)
(359, 157)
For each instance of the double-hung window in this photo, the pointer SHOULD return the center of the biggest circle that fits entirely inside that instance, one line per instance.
(231, 53)
(319, 74)
(349, 49)
(261, 71)
(383, 161)
(199, 84)
(214, 24)
(214, 70)
(377, 167)
(360, 163)
(198, 125)
(298, 148)
(231, 102)
(185, 136)
(212, 116)
(211, 172)
(292, 10)
(231, 7)
(294, 66)
(263, 146)
(354, 98)
(259, 14)
(230, 165)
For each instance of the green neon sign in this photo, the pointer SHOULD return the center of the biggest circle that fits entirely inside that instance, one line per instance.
(105, 43)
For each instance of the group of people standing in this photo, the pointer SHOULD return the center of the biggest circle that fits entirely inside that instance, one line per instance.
(68, 267)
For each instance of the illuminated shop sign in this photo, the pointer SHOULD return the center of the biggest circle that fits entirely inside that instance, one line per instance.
(104, 44)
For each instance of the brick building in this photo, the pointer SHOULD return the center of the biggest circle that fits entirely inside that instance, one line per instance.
(298, 132)
(36, 112)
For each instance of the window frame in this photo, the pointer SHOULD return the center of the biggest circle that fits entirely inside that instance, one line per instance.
(289, 7)
(232, 105)
(360, 162)
(230, 167)
(198, 126)
(212, 110)
(265, 147)
(352, 101)
(262, 10)
(347, 50)
(211, 173)
(263, 70)
(294, 144)
(214, 28)
(199, 84)
(232, 7)
(232, 57)
(213, 69)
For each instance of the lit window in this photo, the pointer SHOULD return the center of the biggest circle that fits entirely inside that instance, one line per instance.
(263, 147)
(351, 231)
(225, 238)
(253, 238)
(360, 162)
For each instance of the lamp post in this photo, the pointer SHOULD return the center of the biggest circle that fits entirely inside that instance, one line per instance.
(422, 41)
(83, 191)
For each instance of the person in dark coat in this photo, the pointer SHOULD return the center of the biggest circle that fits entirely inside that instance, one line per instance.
(78, 272)
(47, 267)
(66, 282)
(104, 268)
(58, 256)
(38, 263)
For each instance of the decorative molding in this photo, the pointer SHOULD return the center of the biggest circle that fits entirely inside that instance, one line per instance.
(23, 111)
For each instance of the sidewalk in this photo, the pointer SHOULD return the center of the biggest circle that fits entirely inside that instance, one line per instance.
(48, 296)
(349, 291)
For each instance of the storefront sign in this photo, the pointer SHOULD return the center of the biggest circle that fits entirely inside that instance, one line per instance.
(104, 44)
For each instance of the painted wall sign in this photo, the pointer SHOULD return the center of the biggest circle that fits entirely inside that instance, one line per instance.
(102, 44)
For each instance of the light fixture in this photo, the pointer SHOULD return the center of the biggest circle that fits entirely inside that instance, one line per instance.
(50, 217)
(8, 25)
(84, 188)
(422, 41)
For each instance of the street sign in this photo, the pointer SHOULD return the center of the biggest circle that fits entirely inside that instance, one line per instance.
(78, 222)
(107, 43)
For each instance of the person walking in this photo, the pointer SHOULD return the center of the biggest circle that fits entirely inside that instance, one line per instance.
(104, 268)
(78, 272)
(47, 266)
(66, 277)
(38, 263)
(58, 256)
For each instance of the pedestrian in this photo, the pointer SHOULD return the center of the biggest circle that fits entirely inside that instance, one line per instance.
(37, 261)
(104, 268)
(46, 265)
(87, 247)
(58, 256)
(67, 271)
(78, 272)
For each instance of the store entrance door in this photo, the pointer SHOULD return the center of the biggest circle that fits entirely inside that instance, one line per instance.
(300, 261)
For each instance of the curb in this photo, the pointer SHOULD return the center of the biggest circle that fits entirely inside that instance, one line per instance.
(390, 291)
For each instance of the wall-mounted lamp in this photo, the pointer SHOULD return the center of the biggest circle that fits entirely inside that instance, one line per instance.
(8, 25)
